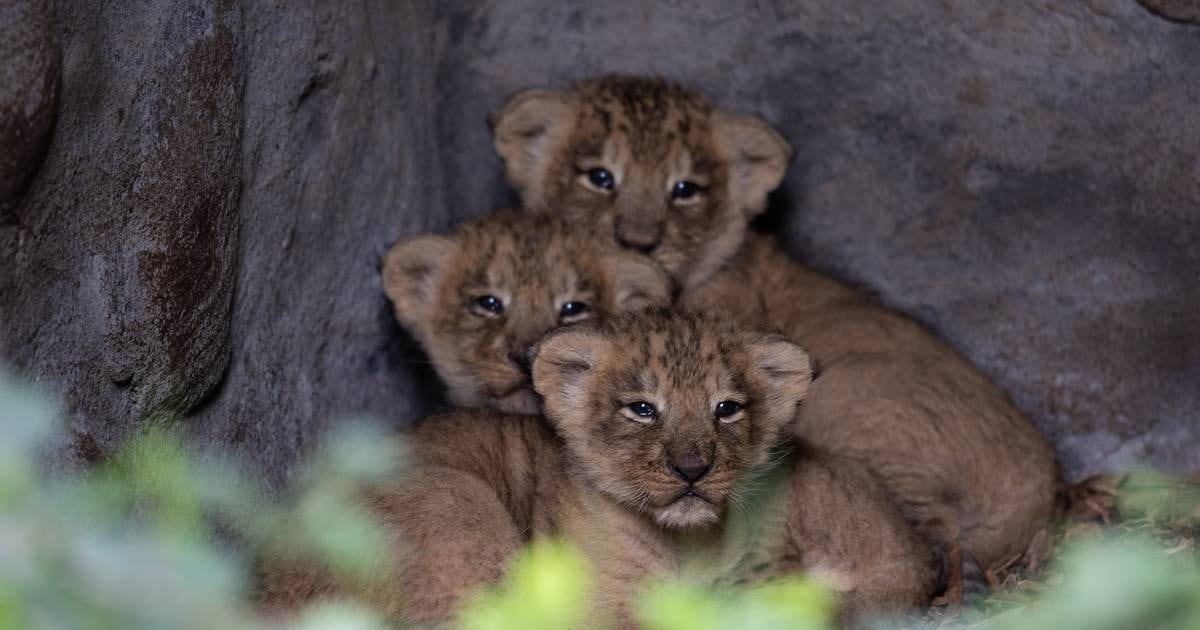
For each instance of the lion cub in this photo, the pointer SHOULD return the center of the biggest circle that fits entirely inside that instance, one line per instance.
(663, 456)
(670, 421)
(666, 174)
(476, 301)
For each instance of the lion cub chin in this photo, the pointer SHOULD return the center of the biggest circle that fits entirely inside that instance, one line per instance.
(477, 300)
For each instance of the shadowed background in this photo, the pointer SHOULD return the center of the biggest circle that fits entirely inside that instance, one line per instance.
(194, 195)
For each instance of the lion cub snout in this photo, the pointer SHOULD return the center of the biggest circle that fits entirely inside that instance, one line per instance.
(691, 467)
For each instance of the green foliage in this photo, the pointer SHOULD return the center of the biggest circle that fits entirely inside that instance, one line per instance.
(1161, 499)
(1130, 584)
(132, 544)
(549, 587)
(791, 603)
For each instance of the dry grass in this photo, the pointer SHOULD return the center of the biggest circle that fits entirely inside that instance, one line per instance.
(1101, 511)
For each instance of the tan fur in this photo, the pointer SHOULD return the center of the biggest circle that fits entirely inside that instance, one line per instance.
(650, 135)
(533, 265)
(953, 451)
(486, 482)
(479, 486)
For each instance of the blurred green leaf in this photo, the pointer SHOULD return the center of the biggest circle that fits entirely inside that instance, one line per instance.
(548, 588)
(158, 470)
(1126, 584)
(26, 421)
(784, 603)
(1158, 497)
(132, 543)
(343, 536)
(339, 616)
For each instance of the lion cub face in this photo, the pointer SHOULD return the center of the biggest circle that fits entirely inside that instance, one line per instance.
(650, 163)
(477, 300)
(666, 412)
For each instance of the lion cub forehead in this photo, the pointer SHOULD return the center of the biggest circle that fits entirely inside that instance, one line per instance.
(645, 101)
(646, 115)
(678, 352)
(508, 248)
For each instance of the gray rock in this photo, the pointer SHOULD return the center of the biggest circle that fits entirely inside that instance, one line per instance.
(1023, 178)
(200, 242)
(29, 69)
(1178, 10)
(202, 239)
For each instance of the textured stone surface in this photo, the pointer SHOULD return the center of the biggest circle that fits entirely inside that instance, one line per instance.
(29, 68)
(119, 261)
(1180, 10)
(203, 233)
(338, 161)
(1022, 177)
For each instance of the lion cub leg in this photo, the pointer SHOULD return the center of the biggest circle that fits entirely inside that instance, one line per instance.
(452, 536)
(849, 536)
(449, 536)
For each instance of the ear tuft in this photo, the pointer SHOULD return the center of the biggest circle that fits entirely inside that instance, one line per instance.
(563, 367)
(786, 369)
(411, 270)
(758, 158)
(637, 282)
(525, 131)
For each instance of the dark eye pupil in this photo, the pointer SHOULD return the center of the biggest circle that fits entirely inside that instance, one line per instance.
(684, 190)
(644, 409)
(489, 303)
(573, 308)
(727, 408)
(600, 178)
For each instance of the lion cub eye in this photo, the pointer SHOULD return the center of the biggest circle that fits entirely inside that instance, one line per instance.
(685, 191)
(490, 303)
(726, 409)
(643, 409)
(573, 309)
(601, 178)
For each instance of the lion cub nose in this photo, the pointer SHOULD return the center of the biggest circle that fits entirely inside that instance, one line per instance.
(644, 240)
(691, 467)
(521, 360)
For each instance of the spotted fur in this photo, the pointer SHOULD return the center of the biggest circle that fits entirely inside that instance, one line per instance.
(650, 135)
(684, 365)
(482, 483)
(953, 451)
(628, 503)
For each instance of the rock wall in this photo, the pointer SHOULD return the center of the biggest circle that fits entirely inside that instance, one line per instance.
(194, 195)
(1022, 177)
(203, 235)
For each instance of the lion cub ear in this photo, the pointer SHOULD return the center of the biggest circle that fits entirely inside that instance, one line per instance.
(787, 371)
(758, 158)
(525, 132)
(637, 282)
(564, 370)
(411, 270)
